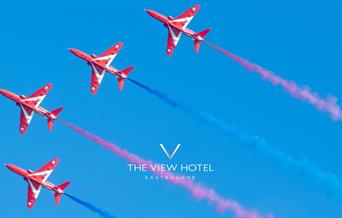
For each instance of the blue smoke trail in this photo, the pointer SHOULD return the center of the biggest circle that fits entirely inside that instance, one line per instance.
(90, 207)
(287, 161)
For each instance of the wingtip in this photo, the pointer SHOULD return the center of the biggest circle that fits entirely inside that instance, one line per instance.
(22, 132)
(120, 44)
(29, 205)
(56, 159)
(93, 90)
(49, 85)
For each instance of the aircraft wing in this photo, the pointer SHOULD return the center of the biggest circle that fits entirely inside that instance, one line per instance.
(44, 172)
(33, 192)
(41, 175)
(108, 56)
(37, 97)
(97, 75)
(26, 115)
(184, 19)
(172, 39)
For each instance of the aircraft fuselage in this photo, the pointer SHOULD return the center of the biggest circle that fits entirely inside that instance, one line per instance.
(27, 175)
(91, 60)
(170, 22)
(21, 101)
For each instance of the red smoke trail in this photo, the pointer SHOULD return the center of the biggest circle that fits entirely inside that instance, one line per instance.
(328, 105)
(197, 190)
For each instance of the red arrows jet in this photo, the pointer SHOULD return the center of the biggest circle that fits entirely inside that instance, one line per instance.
(177, 26)
(30, 105)
(38, 179)
(100, 64)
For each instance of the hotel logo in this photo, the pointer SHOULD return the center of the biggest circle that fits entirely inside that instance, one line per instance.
(170, 156)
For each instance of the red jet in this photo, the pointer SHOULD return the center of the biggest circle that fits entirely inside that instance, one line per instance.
(30, 105)
(177, 26)
(38, 179)
(100, 64)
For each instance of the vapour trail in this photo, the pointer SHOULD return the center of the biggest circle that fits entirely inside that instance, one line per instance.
(296, 165)
(90, 206)
(328, 105)
(197, 190)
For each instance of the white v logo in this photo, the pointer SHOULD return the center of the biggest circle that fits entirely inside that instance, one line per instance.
(170, 156)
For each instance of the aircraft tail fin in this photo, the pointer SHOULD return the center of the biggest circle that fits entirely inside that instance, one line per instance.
(53, 117)
(125, 72)
(60, 191)
(200, 38)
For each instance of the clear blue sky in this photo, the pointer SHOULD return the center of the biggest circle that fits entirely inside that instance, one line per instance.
(300, 41)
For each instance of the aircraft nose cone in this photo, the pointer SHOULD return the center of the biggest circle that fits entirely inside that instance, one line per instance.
(72, 50)
(156, 15)
(9, 166)
(2, 91)
(150, 12)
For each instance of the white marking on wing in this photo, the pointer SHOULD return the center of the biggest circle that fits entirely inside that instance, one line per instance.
(99, 75)
(174, 37)
(28, 116)
(110, 58)
(185, 20)
(45, 173)
(34, 190)
(39, 100)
